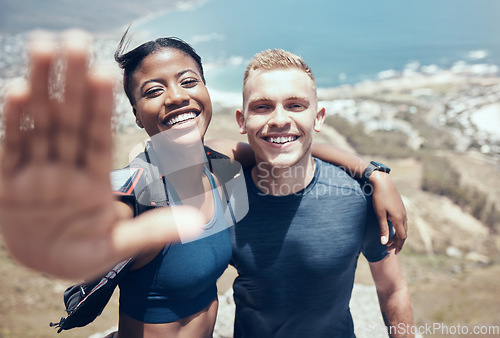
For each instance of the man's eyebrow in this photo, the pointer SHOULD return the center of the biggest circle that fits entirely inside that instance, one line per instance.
(264, 99)
(302, 98)
(259, 99)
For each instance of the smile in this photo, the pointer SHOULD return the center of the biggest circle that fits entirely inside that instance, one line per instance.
(281, 139)
(181, 118)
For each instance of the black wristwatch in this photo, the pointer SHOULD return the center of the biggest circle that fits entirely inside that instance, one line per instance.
(365, 178)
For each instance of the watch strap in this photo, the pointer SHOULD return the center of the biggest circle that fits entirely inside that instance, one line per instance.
(365, 178)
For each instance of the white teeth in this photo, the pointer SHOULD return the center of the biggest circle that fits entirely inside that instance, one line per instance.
(281, 139)
(181, 118)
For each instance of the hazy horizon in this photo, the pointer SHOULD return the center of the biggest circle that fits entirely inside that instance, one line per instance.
(96, 16)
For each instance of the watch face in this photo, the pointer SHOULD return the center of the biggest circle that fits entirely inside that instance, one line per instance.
(381, 166)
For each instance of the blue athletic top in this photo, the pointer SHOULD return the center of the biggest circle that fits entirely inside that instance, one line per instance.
(181, 280)
(296, 256)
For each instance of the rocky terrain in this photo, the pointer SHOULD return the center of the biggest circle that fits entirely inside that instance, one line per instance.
(439, 131)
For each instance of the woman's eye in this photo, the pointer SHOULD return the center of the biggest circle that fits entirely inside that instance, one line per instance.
(189, 83)
(153, 92)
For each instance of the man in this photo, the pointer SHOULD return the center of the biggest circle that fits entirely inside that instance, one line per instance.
(297, 248)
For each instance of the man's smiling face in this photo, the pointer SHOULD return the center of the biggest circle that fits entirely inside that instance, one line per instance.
(280, 112)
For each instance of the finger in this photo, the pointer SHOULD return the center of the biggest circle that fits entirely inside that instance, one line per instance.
(42, 54)
(403, 220)
(12, 145)
(392, 244)
(395, 243)
(98, 137)
(384, 226)
(154, 229)
(405, 226)
(398, 245)
(401, 242)
(399, 223)
(74, 49)
(404, 235)
(401, 229)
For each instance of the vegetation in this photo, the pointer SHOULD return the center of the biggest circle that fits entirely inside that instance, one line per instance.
(441, 178)
(434, 138)
(388, 144)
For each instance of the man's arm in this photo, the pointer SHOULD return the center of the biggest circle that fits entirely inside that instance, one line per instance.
(57, 212)
(393, 295)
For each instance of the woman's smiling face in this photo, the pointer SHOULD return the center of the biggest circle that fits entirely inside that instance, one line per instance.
(170, 95)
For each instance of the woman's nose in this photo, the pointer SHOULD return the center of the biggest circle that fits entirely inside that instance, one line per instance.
(176, 96)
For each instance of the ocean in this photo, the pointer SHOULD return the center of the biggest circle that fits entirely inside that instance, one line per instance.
(344, 42)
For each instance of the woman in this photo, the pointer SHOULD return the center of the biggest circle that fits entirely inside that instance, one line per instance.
(164, 82)
(168, 291)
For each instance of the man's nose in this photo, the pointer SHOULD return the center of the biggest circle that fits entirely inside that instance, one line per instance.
(279, 117)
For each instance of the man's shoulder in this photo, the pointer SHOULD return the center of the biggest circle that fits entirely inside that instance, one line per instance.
(334, 177)
(329, 170)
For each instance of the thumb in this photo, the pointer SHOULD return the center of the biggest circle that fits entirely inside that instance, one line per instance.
(155, 228)
(384, 227)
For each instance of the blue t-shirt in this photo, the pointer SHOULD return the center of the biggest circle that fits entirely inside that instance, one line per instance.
(296, 256)
(181, 279)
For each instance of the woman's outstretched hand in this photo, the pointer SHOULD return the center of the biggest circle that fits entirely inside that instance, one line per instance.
(389, 206)
(57, 211)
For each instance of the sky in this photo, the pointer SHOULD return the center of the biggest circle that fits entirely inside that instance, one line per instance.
(96, 16)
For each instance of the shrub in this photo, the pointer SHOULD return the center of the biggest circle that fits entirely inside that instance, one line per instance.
(388, 144)
(441, 178)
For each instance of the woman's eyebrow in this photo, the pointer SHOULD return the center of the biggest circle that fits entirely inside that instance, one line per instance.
(182, 72)
(149, 81)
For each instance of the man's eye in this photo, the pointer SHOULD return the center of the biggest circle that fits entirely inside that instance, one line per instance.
(260, 108)
(296, 107)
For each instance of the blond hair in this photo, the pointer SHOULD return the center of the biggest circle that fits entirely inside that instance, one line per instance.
(272, 59)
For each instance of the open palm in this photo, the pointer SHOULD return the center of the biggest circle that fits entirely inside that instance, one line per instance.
(57, 211)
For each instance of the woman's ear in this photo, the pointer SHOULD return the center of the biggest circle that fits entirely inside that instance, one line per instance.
(318, 121)
(137, 120)
(240, 118)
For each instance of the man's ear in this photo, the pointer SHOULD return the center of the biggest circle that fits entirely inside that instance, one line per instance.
(137, 120)
(240, 118)
(320, 118)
